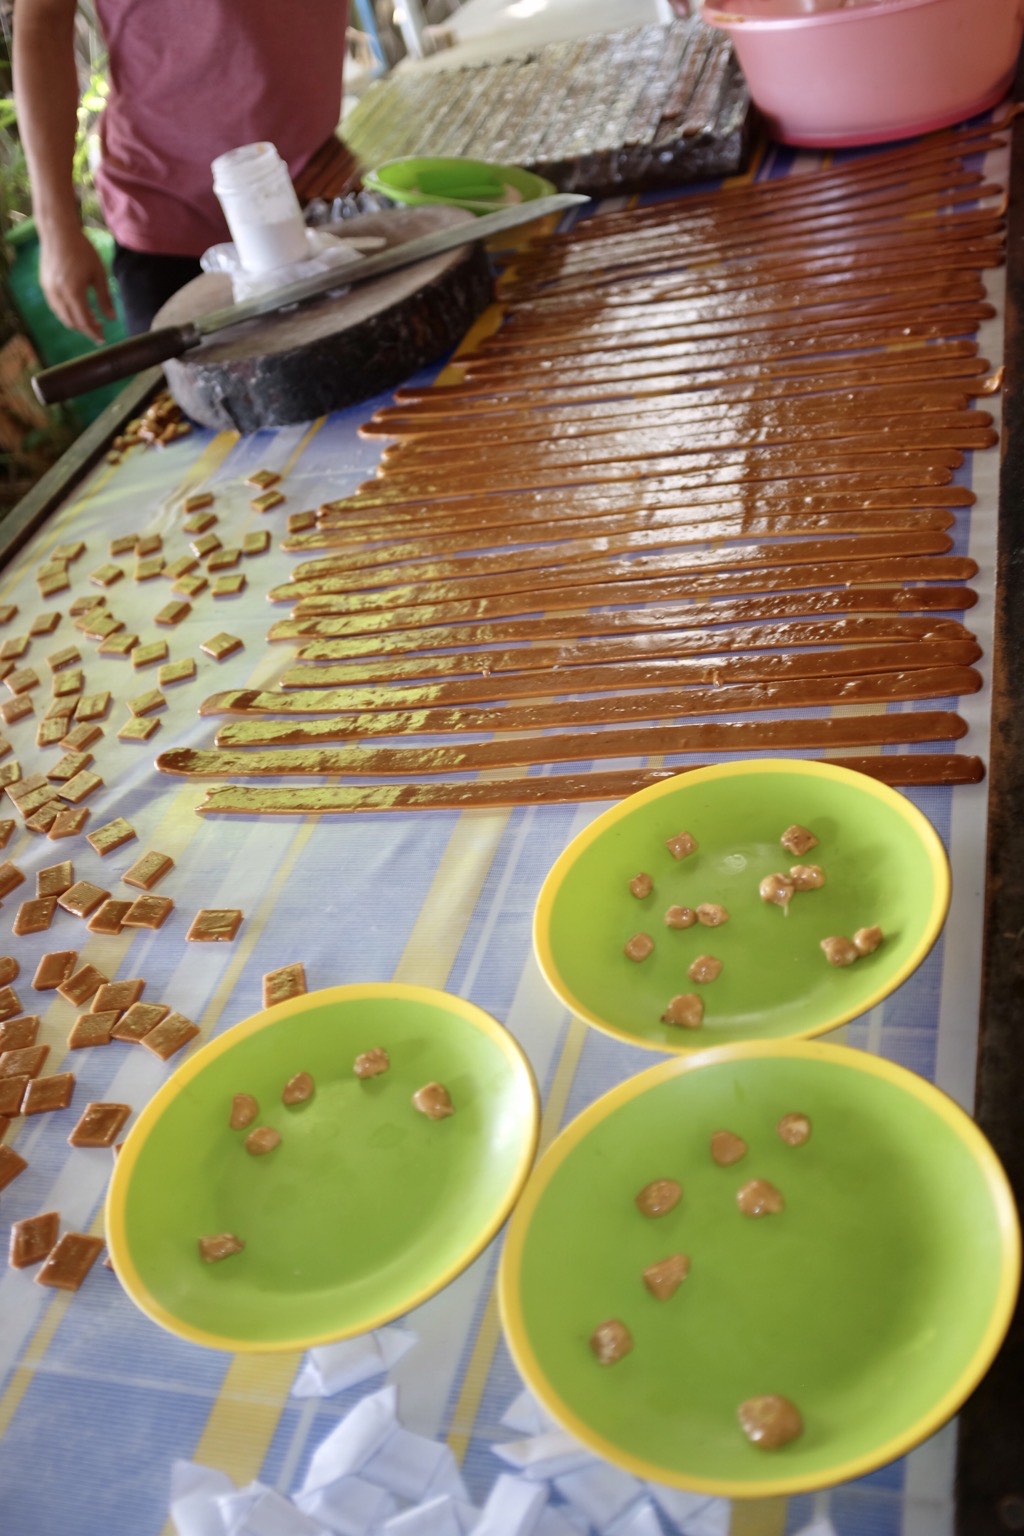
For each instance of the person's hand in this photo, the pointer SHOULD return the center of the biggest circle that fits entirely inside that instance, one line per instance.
(70, 270)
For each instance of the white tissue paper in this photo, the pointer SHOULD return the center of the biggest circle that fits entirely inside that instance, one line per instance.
(235, 1506)
(692, 1514)
(544, 1456)
(444, 1516)
(562, 1522)
(600, 1491)
(639, 1520)
(525, 1416)
(414, 1467)
(513, 1508)
(357, 1437)
(272, 1515)
(194, 1490)
(349, 1507)
(332, 1368)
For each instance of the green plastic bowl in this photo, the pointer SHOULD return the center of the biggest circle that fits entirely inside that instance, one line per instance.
(884, 863)
(875, 1301)
(364, 1210)
(476, 185)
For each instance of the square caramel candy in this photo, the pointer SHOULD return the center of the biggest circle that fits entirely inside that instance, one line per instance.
(54, 968)
(5, 747)
(56, 581)
(99, 1125)
(147, 703)
(125, 545)
(92, 1029)
(190, 586)
(138, 1020)
(170, 1035)
(68, 657)
(204, 545)
(26, 1061)
(45, 623)
(229, 586)
(32, 1238)
(8, 611)
(67, 766)
(301, 522)
(11, 1164)
(215, 925)
(35, 799)
(183, 566)
(44, 820)
(93, 706)
(146, 570)
(83, 897)
(148, 870)
(138, 728)
(46, 1094)
(10, 878)
(14, 710)
(62, 709)
(149, 544)
(100, 626)
(80, 787)
(50, 732)
(82, 736)
(14, 648)
(118, 645)
(70, 552)
(173, 612)
(256, 543)
(35, 915)
(199, 522)
(69, 823)
(146, 655)
(23, 681)
(86, 604)
(106, 575)
(70, 1260)
(267, 502)
(148, 912)
(221, 646)
(109, 918)
(263, 479)
(55, 879)
(81, 985)
(224, 559)
(198, 501)
(26, 786)
(114, 834)
(67, 683)
(10, 773)
(12, 1091)
(176, 672)
(18, 1034)
(9, 969)
(118, 994)
(287, 981)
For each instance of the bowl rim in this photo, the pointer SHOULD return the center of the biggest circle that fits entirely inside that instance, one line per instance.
(803, 768)
(733, 20)
(843, 1057)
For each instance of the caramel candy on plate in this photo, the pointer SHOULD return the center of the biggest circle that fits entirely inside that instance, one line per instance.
(770, 1422)
(221, 1246)
(685, 1009)
(371, 1063)
(244, 1110)
(794, 1129)
(148, 912)
(711, 915)
(659, 1197)
(638, 947)
(798, 840)
(664, 1278)
(263, 1139)
(759, 1198)
(680, 917)
(807, 877)
(641, 885)
(434, 1101)
(298, 1089)
(777, 890)
(839, 950)
(681, 845)
(867, 940)
(704, 969)
(727, 1148)
(610, 1341)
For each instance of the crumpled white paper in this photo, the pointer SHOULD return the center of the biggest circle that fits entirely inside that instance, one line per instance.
(331, 1368)
(443, 1516)
(273, 1515)
(357, 1437)
(639, 1520)
(194, 1491)
(562, 1520)
(545, 1456)
(525, 1416)
(602, 1492)
(513, 1508)
(692, 1514)
(414, 1467)
(349, 1506)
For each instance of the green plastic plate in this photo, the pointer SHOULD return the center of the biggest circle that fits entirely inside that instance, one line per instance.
(883, 861)
(875, 1301)
(480, 186)
(365, 1209)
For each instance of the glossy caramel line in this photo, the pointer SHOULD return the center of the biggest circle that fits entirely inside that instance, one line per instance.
(879, 729)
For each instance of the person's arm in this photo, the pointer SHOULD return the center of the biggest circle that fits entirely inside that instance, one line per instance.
(46, 95)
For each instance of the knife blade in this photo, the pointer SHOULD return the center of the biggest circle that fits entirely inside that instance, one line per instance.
(123, 358)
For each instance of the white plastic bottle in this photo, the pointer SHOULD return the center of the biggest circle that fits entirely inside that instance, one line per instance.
(256, 193)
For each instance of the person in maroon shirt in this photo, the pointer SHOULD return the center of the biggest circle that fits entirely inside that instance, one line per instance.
(189, 80)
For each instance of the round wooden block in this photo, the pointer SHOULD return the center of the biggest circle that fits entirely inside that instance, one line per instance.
(331, 352)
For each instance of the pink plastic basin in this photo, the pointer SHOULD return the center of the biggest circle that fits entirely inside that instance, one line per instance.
(834, 72)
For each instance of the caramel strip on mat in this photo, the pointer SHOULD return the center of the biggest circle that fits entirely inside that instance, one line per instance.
(907, 771)
(571, 747)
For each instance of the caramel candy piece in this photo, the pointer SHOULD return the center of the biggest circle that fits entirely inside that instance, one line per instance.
(680, 917)
(80, 787)
(286, 982)
(173, 612)
(14, 647)
(704, 969)
(222, 1246)
(256, 543)
(122, 546)
(9, 1004)
(682, 845)
(263, 479)
(867, 940)
(797, 840)
(794, 1129)
(641, 885)
(69, 823)
(638, 947)
(92, 1029)
(299, 522)
(9, 969)
(12, 1091)
(170, 1035)
(118, 644)
(197, 502)
(70, 1261)
(138, 1020)
(298, 1089)
(149, 544)
(67, 656)
(149, 703)
(664, 1278)
(149, 569)
(93, 706)
(711, 915)
(686, 1010)
(610, 1341)
(199, 522)
(206, 544)
(72, 552)
(727, 1148)
(770, 1422)
(659, 1197)
(176, 569)
(777, 890)
(8, 611)
(839, 950)
(52, 583)
(371, 1063)
(10, 878)
(148, 912)
(99, 625)
(23, 681)
(16, 1034)
(82, 736)
(221, 646)
(110, 917)
(79, 987)
(267, 502)
(32, 1239)
(212, 925)
(146, 655)
(82, 898)
(114, 834)
(50, 732)
(45, 820)
(118, 995)
(55, 879)
(244, 1110)
(99, 1125)
(53, 969)
(44, 623)
(434, 1101)
(807, 877)
(759, 1198)
(13, 710)
(65, 684)
(263, 1139)
(24, 1061)
(148, 870)
(87, 604)
(176, 672)
(35, 916)
(190, 586)
(138, 728)
(106, 575)
(44, 1094)
(6, 828)
(229, 586)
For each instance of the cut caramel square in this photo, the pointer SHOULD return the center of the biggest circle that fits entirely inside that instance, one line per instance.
(256, 543)
(146, 655)
(215, 925)
(67, 766)
(9, 1004)
(199, 522)
(205, 545)
(55, 879)
(69, 823)
(263, 479)
(70, 656)
(267, 502)
(118, 994)
(197, 502)
(32, 1238)
(70, 1260)
(99, 1125)
(27, 1060)
(148, 912)
(82, 984)
(80, 787)
(146, 570)
(92, 1029)
(93, 706)
(109, 918)
(46, 1094)
(138, 1020)
(23, 680)
(9, 969)
(11, 1164)
(139, 728)
(118, 645)
(10, 878)
(221, 646)
(106, 575)
(14, 710)
(170, 1035)
(148, 871)
(173, 612)
(17, 1034)
(12, 1091)
(114, 834)
(177, 672)
(83, 897)
(82, 736)
(54, 968)
(147, 703)
(229, 586)
(51, 731)
(224, 559)
(44, 623)
(190, 586)
(287, 981)
(35, 915)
